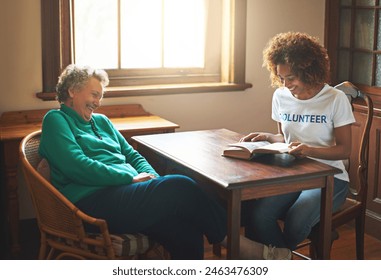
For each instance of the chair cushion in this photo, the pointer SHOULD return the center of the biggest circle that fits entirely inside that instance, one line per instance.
(44, 169)
(129, 244)
(124, 245)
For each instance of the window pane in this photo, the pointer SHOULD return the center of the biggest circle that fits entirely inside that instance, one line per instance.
(362, 68)
(379, 33)
(343, 66)
(345, 28)
(184, 33)
(364, 32)
(172, 35)
(365, 2)
(346, 2)
(96, 44)
(378, 72)
(141, 34)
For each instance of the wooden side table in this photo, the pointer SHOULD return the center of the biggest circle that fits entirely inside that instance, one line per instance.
(129, 119)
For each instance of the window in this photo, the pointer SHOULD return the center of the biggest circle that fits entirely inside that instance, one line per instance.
(174, 46)
(355, 41)
(170, 34)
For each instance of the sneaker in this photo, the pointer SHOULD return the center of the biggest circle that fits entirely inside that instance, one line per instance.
(273, 253)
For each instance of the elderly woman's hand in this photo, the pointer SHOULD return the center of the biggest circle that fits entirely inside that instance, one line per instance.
(142, 177)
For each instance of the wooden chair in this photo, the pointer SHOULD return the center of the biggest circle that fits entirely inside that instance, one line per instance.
(61, 223)
(355, 205)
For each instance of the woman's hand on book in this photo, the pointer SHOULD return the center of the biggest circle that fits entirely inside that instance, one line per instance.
(255, 136)
(299, 150)
(263, 136)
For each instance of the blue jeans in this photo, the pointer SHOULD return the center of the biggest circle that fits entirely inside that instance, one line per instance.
(300, 211)
(170, 209)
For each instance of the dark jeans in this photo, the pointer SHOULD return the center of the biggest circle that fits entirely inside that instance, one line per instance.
(170, 209)
(300, 212)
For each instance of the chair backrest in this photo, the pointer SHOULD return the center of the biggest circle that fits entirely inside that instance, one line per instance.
(358, 162)
(56, 215)
(54, 212)
(355, 204)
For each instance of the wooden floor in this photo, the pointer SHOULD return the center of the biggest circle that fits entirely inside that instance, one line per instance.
(343, 249)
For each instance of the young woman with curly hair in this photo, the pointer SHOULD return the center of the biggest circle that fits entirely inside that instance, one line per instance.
(314, 118)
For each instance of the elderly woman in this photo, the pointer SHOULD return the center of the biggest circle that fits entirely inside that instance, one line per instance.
(96, 169)
(314, 118)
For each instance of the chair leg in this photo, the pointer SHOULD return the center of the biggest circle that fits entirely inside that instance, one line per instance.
(51, 254)
(314, 244)
(42, 252)
(360, 232)
(217, 250)
(313, 250)
(43, 247)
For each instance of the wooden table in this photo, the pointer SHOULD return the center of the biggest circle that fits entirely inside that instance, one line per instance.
(129, 119)
(198, 155)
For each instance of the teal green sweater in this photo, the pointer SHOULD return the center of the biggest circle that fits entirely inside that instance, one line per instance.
(80, 162)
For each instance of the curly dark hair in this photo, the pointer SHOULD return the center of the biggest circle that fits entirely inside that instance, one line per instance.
(76, 77)
(307, 58)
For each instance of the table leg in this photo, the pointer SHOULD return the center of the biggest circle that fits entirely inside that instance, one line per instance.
(324, 246)
(10, 149)
(234, 224)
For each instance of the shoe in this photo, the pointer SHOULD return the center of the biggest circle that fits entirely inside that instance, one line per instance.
(273, 253)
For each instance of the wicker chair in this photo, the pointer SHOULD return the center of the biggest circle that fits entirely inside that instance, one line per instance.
(61, 223)
(355, 205)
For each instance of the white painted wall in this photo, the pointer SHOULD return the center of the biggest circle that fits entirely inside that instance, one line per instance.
(21, 77)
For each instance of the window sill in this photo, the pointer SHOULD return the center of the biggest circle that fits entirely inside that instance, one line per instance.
(160, 90)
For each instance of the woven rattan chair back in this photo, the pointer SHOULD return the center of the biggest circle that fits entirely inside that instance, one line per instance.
(61, 223)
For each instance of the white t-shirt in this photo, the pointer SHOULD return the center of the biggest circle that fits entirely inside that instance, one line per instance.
(312, 121)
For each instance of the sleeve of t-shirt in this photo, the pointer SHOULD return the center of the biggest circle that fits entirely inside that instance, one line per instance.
(275, 106)
(342, 113)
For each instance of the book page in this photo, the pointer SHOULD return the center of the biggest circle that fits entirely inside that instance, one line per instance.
(250, 146)
(277, 147)
(262, 147)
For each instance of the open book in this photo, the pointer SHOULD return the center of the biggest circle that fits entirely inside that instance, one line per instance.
(247, 150)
